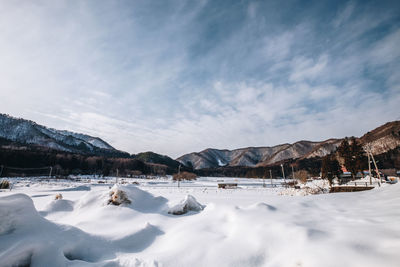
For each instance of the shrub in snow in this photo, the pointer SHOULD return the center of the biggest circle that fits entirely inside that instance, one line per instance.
(118, 197)
(292, 183)
(4, 184)
(188, 204)
(184, 176)
(317, 187)
(302, 176)
(59, 196)
(310, 188)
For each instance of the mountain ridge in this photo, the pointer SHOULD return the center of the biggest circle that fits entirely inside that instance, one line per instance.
(380, 140)
(20, 132)
(31, 133)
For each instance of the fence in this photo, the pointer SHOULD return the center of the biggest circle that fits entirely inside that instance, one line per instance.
(8, 171)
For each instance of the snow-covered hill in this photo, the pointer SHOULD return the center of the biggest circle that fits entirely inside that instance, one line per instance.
(381, 140)
(29, 132)
(258, 156)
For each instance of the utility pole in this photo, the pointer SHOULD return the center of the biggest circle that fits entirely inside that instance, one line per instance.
(51, 169)
(1, 170)
(293, 172)
(270, 175)
(179, 176)
(283, 173)
(265, 175)
(376, 168)
(369, 168)
(116, 178)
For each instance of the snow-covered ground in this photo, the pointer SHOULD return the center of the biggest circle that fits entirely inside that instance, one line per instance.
(248, 226)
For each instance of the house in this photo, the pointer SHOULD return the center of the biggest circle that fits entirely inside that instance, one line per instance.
(346, 174)
(345, 177)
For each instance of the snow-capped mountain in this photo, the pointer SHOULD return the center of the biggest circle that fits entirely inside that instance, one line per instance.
(257, 156)
(381, 140)
(29, 132)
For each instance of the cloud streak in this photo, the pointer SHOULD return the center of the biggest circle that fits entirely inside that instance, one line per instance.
(173, 77)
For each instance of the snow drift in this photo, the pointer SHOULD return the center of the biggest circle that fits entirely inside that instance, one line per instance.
(27, 239)
(188, 204)
(244, 227)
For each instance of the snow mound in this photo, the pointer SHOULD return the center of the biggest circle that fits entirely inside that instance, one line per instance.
(188, 204)
(27, 239)
(76, 188)
(58, 205)
(118, 197)
(314, 187)
(140, 200)
(127, 196)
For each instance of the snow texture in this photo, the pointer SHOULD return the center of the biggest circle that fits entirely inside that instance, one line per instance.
(250, 226)
(188, 204)
(313, 187)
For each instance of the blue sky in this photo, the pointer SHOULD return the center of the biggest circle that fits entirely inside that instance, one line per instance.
(180, 76)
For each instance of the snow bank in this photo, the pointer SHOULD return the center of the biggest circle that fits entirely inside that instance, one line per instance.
(188, 204)
(59, 205)
(244, 227)
(352, 229)
(140, 200)
(366, 179)
(76, 188)
(313, 187)
(129, 196)
(27, 239)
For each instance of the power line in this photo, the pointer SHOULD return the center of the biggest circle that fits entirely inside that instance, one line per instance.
(25, 169)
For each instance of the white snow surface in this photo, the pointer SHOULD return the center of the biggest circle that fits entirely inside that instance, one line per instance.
(313, 187)
(248, 226)
(220, 163)
(188, 204)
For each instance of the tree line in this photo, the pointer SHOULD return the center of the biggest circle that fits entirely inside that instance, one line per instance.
(349, 154)
(64, 163)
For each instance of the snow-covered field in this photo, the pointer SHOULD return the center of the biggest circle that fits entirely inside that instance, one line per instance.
(248, 226)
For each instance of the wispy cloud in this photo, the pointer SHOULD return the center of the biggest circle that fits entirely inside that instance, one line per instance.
(174, 77)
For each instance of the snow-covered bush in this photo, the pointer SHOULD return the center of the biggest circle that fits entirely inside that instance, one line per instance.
(4, 184)
(188, 204)
(302, 176)
(118, 197)
(317, 187)
(313, 187)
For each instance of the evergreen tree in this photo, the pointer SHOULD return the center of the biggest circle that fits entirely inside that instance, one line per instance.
(330, 167)
(353, 155)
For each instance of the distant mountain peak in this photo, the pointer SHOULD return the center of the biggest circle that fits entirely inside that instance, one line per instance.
(31, 133)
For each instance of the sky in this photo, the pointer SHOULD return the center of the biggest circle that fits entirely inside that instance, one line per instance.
(175, 77)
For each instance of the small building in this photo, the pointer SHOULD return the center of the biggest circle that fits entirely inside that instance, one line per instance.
(345, 177)
(227, 185)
